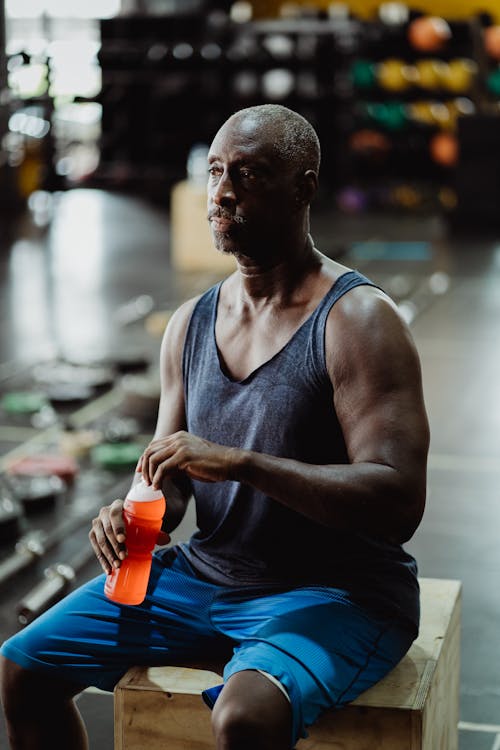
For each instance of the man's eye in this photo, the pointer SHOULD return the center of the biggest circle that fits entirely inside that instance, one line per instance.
(247, 174)
(214, 171)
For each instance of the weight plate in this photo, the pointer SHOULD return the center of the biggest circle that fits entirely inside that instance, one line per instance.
(120, 430)
(132, 362)
(39, 491)
(116, 455)
(11, 513)
(68, 393)
(64, 467)
(23, 402)
(65, 373)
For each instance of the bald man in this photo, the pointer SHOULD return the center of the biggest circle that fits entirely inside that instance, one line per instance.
(292, 412)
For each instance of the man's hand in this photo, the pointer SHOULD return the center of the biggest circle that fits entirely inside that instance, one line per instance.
(198, 458)
(107, 536)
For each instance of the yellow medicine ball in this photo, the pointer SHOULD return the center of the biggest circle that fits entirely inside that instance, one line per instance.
(392, 74)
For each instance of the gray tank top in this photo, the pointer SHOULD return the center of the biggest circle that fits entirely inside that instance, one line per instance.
(283, 408)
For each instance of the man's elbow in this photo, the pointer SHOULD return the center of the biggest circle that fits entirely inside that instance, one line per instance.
(410, 519)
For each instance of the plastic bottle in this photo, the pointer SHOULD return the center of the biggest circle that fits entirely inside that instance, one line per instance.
(143, 512)
(197, 167)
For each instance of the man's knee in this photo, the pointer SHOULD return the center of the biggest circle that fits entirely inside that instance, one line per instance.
(22, 687)
(13, 685)
(252, 712)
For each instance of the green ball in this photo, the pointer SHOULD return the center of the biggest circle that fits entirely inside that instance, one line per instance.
(369, 110)
(363, 74)
(390, 115)
(493, 82)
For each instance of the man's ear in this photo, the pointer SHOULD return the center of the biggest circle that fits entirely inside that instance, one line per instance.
(307, 186)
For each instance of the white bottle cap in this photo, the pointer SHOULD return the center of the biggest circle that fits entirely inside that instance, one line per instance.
(142, 492)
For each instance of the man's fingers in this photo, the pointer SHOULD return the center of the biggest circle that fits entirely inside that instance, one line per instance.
(163, 469)
(99, 555)
(115, 528)
(102, 549)
(148, 462)
(165, 455)
(160, 463)
(107, 536)
(108, 543)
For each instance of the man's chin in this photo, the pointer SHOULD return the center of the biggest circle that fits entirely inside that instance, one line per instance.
(224, 244)
(227, 245)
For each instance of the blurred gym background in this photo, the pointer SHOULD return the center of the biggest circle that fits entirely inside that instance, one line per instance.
(107, 108)
(119, 101)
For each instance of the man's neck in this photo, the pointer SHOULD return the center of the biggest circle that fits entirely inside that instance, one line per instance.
(260, 282)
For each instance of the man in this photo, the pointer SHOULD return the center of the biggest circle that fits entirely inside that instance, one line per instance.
(292, 409)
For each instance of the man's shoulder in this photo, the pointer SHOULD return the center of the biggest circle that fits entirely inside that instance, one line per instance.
(366, 315)
(364, 302)
(178, 322)
(183, 313)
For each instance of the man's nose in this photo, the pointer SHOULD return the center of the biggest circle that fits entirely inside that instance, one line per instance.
(224, 193)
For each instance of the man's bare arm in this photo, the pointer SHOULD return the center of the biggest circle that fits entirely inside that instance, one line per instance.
(171, 413)
(107, 534)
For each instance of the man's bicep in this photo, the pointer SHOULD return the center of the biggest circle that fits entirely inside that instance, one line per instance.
(377, 387)
(171, 411)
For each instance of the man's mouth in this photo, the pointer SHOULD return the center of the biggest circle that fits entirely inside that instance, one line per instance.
(223, 222)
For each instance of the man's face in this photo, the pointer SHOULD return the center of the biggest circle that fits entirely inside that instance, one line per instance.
(251, 192)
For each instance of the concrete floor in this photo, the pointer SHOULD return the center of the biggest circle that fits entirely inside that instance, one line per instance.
(62, 288)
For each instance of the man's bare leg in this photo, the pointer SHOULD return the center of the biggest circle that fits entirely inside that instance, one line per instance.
(251, 712)
(40, 712)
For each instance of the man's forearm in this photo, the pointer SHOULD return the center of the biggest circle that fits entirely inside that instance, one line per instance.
(361, 497)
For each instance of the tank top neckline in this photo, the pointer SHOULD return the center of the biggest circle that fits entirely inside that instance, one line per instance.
(268, 362)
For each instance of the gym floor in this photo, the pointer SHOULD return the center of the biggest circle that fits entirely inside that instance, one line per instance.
(82, 286)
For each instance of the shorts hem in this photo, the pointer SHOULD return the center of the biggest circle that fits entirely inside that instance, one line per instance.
(19, 657)
(295, 698)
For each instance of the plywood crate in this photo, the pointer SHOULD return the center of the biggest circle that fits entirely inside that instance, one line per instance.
(415, 707)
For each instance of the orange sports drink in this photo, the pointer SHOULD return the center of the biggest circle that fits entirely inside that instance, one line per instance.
(143, 511)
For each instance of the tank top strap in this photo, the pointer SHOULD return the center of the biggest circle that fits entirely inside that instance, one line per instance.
(206, 307)
(314, 332)
(347, 281)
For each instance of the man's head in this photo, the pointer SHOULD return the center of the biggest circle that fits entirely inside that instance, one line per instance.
(295, 140)
(263, 167)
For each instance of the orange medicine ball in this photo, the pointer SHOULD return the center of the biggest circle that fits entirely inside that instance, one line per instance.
(428, 33)
(492, 42)
(369, 141)
(444, 149)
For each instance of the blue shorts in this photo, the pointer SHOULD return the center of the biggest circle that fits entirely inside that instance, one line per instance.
(323, 648)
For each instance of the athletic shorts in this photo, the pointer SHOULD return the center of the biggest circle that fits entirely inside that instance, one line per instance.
(324, 649)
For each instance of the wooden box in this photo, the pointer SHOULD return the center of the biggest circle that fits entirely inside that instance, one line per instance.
(414, 708)
(191, 245)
